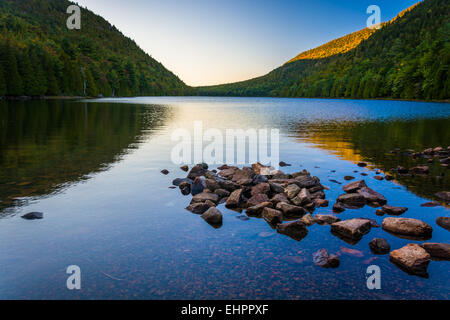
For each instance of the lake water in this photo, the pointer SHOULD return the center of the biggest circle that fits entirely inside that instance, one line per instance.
(93, 167)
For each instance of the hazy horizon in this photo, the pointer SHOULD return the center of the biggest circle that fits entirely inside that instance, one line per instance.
(208, 43)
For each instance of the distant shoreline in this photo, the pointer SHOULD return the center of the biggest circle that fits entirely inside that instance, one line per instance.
(25, 98)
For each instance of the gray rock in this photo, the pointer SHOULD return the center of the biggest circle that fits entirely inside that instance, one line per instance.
(372, 196)
(352, 200)
(323, 259)
(198, 185)
(33, 216)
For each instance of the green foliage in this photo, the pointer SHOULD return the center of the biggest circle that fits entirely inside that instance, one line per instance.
(408, 58)
(40, 56)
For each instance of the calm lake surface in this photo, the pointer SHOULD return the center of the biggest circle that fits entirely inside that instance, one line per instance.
(93, 167)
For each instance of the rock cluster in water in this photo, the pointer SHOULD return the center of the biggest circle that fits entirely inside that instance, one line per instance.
(287, 203)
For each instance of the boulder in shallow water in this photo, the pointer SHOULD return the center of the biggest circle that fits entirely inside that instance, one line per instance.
(290, 210)
(338, 207)
(412, 258)
(272, 216)
(352, 200)
(308, 219)
(325, 219)
(257, 210)
(296, 230)
(202, 197)
(408, 227)
(199, 207)
(371, 196)
(443, 222)
(445, 195)
(33, 216)
(257, 199)
(394, 211)
(234, 200)
(354, 186)
(379, 246)
(213, 216)
(437, 250)
(352, 229)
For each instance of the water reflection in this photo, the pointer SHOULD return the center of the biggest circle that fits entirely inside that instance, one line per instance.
(48, 145)
(377, 142)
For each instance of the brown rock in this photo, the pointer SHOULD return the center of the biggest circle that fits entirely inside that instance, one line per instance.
(353, 228)
(371, 196)
(276, 188)
(394, 211)
(185, 168)
(165, 172)
(202, 197)
(222, 193)
(338, 207)
(257, 199)
(326, 219)
(443, 222)
(303, 197)
(348, 178)
(362, 164)
(198, 208)
(420, 170)
(352, 200)
(354, 186)
(431, 204)
(411, 258)
(321, 203)
(213, 216)
(260, 188)
(296, 230)
(379, 246)
(272, 216)
(290, 210)
(437, 250)
(308, 219)
(408, 227)
(257, 210)
(445, 195)
(197, 171)
(292, 190)
(234, 200)
(281, 197)
(379, 178)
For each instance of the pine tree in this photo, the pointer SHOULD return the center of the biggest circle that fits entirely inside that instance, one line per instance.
(2, 82)
(14, 81)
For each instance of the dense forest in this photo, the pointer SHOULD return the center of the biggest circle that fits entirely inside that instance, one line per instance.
(408, 58)
(40, 56)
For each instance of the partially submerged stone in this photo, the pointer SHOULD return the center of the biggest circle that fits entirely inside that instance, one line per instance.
(198, 208)
(326, 219)
(213, 216)
(353, 229)
(407, 227)
(33, 216)
(379, 246)
(202, 197)
(272, 216)
(352, 200)
(443, 222)
(394, 211)
(234, 200)
(354, 186)
(257, 210)
(296, 230)
(437, 250)
(323, 259)
(412, 258)
(371, 196)
(338, 207)
(308, 219)
(290, 210)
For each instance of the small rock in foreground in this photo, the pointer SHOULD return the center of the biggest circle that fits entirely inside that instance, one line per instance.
(379, 246)
(213, 216)
(408, 227)
(437, 250)
(412, 258)
(323, 259)
(33, 216)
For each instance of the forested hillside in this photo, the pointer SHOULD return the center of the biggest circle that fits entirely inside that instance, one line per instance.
(408, 58)
(40, 56)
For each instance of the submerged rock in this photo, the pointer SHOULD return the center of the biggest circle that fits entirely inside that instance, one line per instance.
(353, 229)
(352, 200)
(379, 246)
(296, 230)
(371, 196)
(408, 227)
(443, 222)
(165, 172)
(323, 259)
(445, 195)
(33, 216)
(431, 204)
(437, 250)
(411, 258)
(326, 219)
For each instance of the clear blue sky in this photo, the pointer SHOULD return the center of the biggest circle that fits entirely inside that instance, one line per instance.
(218, 41)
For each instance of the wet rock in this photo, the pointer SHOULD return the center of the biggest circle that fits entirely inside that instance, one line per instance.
(354, 186)
(213, 216)
(379, 178)
(276, 188)
(352, 200)
(323, 259)
(443, 222)
(222, 193)
(388, 177)
(379, 246)
(445, 195)
(243, 217)
(326, 219)
(185, 188)
(245, 182)
(234, 200)
(321, 203)
(198, 185)
(212, 184)
(257, 210)
(258, 168)
(362, 164)
(303, 197)
(348, 178)
(284, 164)
(257, 199)
(296, 230)
(33, 216)
(394, 211)
(352, 229)
(292, 190)
(380, 213)
(408, 227)
(258, 178)
(306, 181)
(229, 185)
(308, 220)
(184, 168)
(319, 195)
(198, 208)
(290, 210)
(204, 196)
(411, 258)
(335, 181)
(373, 222)
(243, 174)
(281, 197)
(431, 204)
(228, 172)
(420, 170)
(179, 181)
(262, 188)
(338, 207)
(197, 171)
(437, 250)
(364, 174)
(371, 196)
(272, 216)
(165, 172)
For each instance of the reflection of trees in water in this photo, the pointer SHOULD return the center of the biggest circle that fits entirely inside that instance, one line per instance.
(373, 142)
(45, 145)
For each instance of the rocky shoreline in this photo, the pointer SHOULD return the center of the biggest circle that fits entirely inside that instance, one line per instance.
(287, 202)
